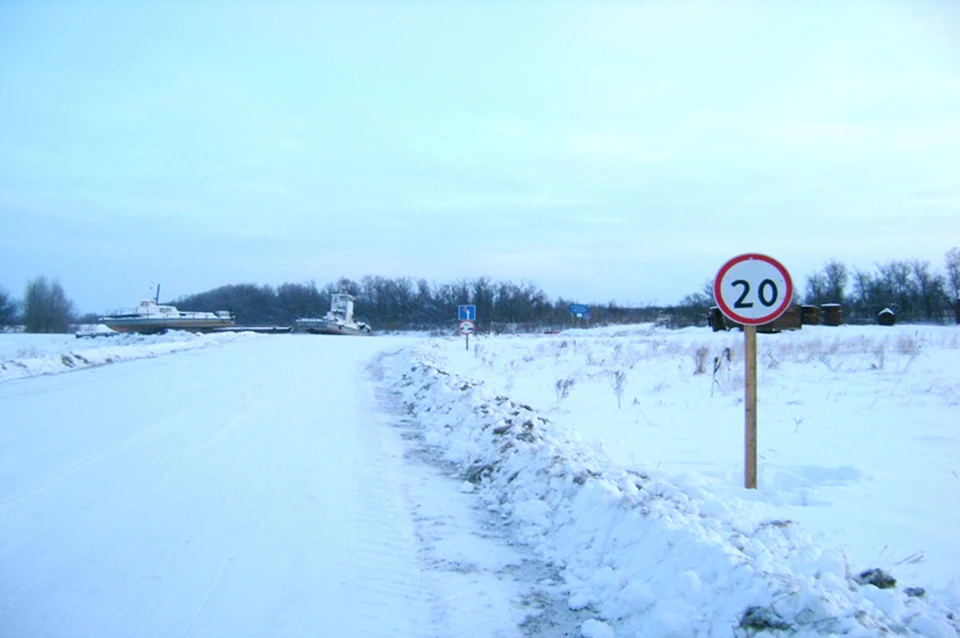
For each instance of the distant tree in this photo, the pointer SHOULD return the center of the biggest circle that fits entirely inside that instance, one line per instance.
(299, 300)
(518, 303)
(817, 288)
(89, 317)
(895, 287)
(8, 308)
(702, 299)
(482, 297)
(450, 295)
(953, 272)
(46, 308)
(252, 305)
(863, 300)
(694, 309)
(426, 306)
(931, 291)
(835, 275)
(862, 287)
(348, 286)
(827, 285)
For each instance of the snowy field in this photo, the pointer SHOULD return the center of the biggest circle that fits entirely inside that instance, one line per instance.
(618, 453)
(581, 484)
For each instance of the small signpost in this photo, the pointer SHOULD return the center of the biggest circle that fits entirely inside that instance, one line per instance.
(467, 328)
(580, 311)
(467, 316)
(752, 289)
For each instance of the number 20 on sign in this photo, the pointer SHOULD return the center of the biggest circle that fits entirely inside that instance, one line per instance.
(752, 290)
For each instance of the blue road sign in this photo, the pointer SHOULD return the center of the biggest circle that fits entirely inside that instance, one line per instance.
(579, 309)
(467, 313)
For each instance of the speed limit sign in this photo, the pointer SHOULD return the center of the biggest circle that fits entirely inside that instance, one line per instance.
(753, 289)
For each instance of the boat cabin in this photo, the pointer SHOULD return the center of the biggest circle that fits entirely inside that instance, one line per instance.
(149, 307)
(341, 307)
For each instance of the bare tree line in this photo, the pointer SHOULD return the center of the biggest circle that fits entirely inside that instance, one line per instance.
(404, 303)
(45, 307)
(913, 289)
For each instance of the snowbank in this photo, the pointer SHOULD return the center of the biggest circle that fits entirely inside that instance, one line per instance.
(27, 355)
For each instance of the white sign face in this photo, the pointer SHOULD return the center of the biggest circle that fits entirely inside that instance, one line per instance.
(753, 289)
(467, 327)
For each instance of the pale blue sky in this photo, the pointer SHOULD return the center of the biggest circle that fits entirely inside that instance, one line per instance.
(602, 150)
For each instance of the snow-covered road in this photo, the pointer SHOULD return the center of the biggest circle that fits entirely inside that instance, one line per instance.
(256, 489)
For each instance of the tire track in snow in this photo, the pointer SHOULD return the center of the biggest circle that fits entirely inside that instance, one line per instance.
(396, 599)
(479, 568)
(191, 549)
(114, 522)
(94, 383)
(377, 585)
(56, 546)
(59, 435)
(100, 454)
(110, 450)
(244, 539)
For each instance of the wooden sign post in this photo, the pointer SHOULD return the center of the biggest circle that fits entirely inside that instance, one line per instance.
(750, 411)
(752, 290)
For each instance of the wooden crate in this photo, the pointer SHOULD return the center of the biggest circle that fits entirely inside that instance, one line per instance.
(832, 314)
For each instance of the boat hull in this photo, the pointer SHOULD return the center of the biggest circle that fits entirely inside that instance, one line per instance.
(322, 327)
(146, 325)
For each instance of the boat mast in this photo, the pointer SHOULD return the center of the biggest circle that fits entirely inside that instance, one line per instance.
(157, 299)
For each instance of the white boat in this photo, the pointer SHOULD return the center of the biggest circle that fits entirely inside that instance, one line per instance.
(150, 317)
(338, 321)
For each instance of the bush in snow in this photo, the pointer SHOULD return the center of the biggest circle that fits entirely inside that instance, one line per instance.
(619, 384)
(563, 388)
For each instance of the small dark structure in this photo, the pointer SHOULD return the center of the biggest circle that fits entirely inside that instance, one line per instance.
(832, 314)
(789, 320)
(956, 309)
(809, 315)
(716, 320)
(886, 317)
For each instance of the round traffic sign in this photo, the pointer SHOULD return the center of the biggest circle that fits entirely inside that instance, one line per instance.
(467, 327)
(753, 289)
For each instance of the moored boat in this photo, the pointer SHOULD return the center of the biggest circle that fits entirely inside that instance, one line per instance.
(151, 317)
(338, 321)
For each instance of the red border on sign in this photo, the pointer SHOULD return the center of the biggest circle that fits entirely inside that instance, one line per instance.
(782, 308)
(464, 324)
